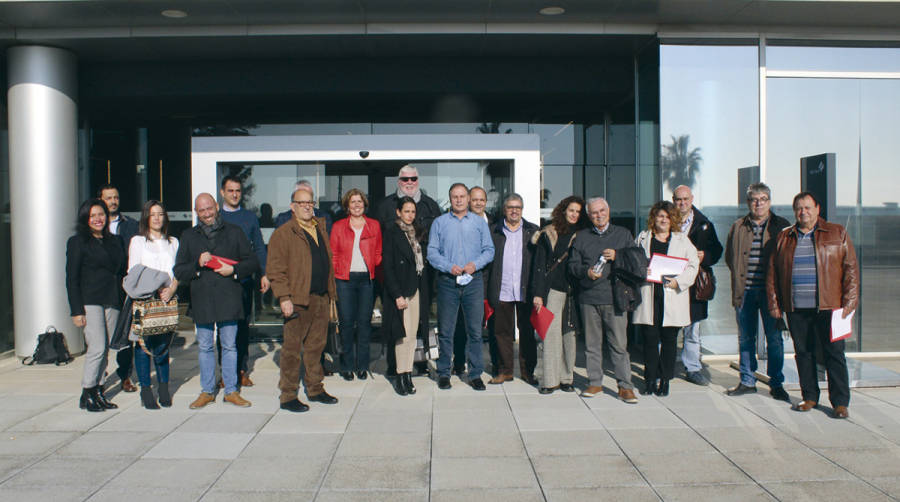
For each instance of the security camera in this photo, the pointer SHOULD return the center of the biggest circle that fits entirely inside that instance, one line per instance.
(363, 154)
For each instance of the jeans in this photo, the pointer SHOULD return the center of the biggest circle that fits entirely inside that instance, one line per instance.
(158, 345)
(451, 298)
(690, 352)
(355, 299)
(753, 306)
(207, 355)
(242, 339)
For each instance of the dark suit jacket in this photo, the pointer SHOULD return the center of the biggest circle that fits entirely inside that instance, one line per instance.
(703, 236)
(128, 228)
(94, 270)
(496, 267)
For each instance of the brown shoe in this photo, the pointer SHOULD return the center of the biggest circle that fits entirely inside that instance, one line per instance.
(841, 412)
(202, 401)
(805, 405)
(592, 391)
(628, 396)
(236, 399)
(500, 379)
(245, 380)
(127, 386)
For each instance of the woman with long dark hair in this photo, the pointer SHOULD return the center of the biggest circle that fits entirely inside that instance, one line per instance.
(405, 299)
(665, 307)
(154, 248)
(94, 264)
(553, 290)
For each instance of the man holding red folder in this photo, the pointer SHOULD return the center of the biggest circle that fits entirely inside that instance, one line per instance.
(812, 272)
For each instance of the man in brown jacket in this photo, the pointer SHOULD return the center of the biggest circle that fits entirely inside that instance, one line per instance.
(812, 272)
(302, 278)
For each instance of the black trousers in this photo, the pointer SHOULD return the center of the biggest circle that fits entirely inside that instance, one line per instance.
(809, 328)
(508, 316)
(659, 362)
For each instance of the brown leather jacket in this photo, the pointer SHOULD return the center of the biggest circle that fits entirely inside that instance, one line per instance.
(836, 269)
(289, 263)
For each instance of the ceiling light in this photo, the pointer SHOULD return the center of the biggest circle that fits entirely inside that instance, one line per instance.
(174, 13)
(552, 11)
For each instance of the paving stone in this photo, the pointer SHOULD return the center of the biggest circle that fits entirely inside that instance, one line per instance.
(688, 468)
(854, 490)
(557, 420)
(33, 443)
(635, 417)
(110, 444)
(54, 420)
(612, 402)
(59, 493)
(462, 473)
(225, 422)
(186, 474)
(310, 421)
(478, 444)
(87, 472)
(303, 446)
(385, 444)
(9, 466)
(586, 472)
(488, 495)
(566, 443)
(33, 402)
(147, 494)
(466, 420)
(787, 465)
(275, 474)
(469, 402)
(555, 401)
(889, 485)
(162, 421)
(730, 439)
(717, 492)
(259, 496)
(200, 445)
(727, 416)
(366, 473)
(866, 462)
(602, 494)
(836, 434)
(11, 418)
(372, 496)
(663, 441)
(390, 422)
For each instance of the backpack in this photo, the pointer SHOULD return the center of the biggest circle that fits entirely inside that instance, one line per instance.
(51, 348)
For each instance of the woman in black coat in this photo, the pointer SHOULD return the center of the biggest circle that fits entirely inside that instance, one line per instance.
(405, 299)
(95, 262)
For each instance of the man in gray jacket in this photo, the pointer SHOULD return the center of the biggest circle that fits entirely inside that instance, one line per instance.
(590, 263)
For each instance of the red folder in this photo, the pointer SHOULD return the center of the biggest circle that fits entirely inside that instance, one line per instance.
(218, 262)
(488, 312)
(541, 321)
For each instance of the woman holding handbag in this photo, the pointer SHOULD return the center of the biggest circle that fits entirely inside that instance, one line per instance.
(553, 290)
(94, 264)
(665, 307)
(405, 298)
(155, 249)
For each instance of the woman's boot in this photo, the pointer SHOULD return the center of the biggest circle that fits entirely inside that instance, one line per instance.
(400, 385)
(105, 403)
(148, 399)
(407, 382)
(649, 387)
(165, 399)
(663, 387)
(87, 401)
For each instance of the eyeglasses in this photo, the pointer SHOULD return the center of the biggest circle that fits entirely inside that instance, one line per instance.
(514, 208)
(304, 202)
(759, 200)
(406, 179)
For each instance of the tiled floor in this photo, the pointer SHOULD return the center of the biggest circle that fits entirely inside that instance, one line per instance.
(507, 443)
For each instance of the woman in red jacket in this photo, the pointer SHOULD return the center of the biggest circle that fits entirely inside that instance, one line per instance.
(356, 249)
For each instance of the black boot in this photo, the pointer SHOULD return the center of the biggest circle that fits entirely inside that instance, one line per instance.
(98, 395)
(407, 382)
(649, 387)
(400, 385)
(148, 399)
(165, 399)
(87, 401)
(663, 389)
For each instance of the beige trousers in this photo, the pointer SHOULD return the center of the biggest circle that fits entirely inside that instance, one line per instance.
(406, 349)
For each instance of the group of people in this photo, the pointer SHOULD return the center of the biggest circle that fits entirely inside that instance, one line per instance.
(484, 274)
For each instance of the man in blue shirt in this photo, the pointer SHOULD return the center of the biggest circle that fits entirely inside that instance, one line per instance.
(459, 248)
(233, 213)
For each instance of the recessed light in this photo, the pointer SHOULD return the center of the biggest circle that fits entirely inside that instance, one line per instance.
(174, 13)
(552, 11)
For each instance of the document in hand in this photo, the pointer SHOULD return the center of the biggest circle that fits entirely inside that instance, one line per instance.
(661, 264)
(841, 328)
(541, 321)
(218, 262)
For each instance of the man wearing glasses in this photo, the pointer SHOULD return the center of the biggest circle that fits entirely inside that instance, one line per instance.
(508, 291)
(750, 242)
(302, 279)
(408, 185)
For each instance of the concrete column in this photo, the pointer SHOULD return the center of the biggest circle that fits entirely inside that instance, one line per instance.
(41, 93)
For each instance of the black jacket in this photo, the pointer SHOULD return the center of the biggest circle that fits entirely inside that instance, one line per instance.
(215, 298)
(703, 236)
(401, 279)
(128, 228)
(426, 211)
(546, 242)
(629, 271)
(495, 274)
(94, 270)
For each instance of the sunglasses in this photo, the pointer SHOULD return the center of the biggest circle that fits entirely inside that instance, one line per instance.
(409, 178)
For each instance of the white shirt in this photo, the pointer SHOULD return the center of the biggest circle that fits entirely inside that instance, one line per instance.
(357, 262)
(157, 254)
(114, 225)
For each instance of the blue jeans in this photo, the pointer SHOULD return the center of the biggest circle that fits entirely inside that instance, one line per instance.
(158, 345)
(451, 298)
(753, 306)
(356, 297)
(690, 352)
(207, 355)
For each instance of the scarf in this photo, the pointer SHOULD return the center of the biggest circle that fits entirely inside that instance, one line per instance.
(211, 231)
(410, 232)
(416, 196)
(310, 228)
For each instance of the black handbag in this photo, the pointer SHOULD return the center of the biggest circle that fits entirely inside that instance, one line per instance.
(51, 348)
(704, 287)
